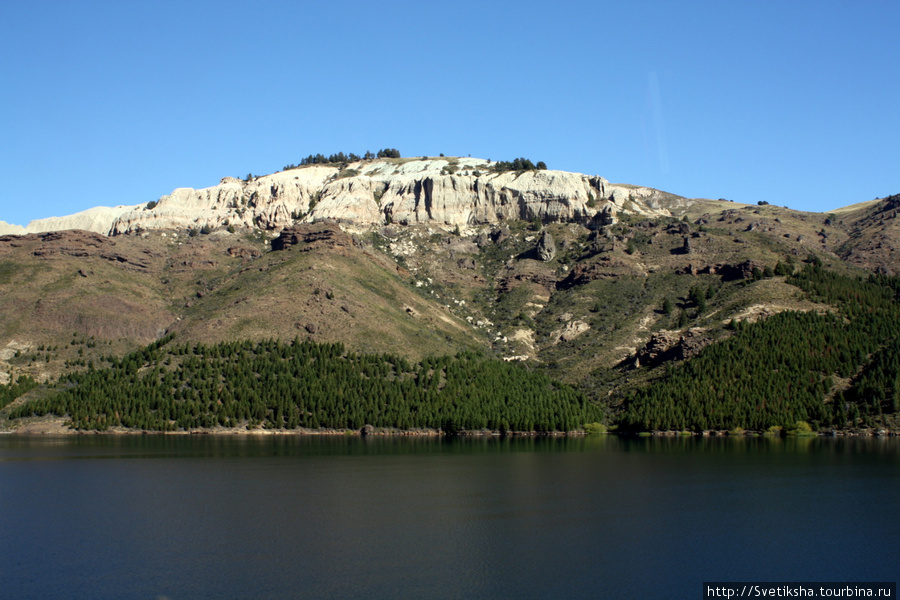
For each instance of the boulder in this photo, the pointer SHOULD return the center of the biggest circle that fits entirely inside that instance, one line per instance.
(546, 248)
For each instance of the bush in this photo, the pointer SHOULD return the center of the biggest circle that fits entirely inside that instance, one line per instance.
(801, 428)
(668, 306)
(594, 428)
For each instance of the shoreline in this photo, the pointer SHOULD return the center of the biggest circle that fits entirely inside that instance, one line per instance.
(57, 426)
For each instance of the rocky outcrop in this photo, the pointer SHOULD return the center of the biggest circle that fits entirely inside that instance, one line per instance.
(671, 345)
(99, 219)
(550, 196)
(446, 192)
(569, 332)
(350, 200)
(728, 272)
(74, 243)
(268, 202)
(243, 252)
(605, 267)
(308, 237)
(546, 248)
(603, 217)
(8, 229)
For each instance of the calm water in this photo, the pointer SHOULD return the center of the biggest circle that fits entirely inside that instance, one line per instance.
(288, 517)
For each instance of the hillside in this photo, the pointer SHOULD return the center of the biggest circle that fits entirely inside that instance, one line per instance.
(601, 286)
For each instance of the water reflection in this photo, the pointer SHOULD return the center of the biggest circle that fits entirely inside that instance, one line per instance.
(13, 447)
(316, 516)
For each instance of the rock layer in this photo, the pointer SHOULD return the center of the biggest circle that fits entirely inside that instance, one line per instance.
(446, 192)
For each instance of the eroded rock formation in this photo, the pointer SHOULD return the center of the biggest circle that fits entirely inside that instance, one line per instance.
(447, 192)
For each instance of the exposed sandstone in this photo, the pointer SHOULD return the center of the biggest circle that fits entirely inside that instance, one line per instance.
(9, 229)
(444, 192)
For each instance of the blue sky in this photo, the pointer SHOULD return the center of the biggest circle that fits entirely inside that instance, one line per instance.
(106, 103)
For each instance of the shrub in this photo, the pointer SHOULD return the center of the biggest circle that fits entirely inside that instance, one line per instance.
(594, 428)
(668, 306)
(801, 428)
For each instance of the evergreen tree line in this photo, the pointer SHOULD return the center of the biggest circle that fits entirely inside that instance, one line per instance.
(341, 158)
(519, 164)
(302, 384)
(15, 388)
(782, 370)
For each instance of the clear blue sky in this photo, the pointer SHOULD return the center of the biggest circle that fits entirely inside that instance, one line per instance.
(107, 103)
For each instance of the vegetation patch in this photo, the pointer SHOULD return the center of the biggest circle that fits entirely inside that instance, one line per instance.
(16, 388)
(778, 373)
(303, 384)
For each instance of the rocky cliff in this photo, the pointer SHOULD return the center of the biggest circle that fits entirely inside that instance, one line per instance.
(446, 192)
(98, 219)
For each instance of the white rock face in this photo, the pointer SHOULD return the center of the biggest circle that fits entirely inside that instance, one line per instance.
(98, 219)
(9, 229)
(269, 202)
(350, 200)
(445, 192)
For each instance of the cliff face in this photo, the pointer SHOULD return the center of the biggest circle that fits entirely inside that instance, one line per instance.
(446, 192)
(437, 191)
(98, 220)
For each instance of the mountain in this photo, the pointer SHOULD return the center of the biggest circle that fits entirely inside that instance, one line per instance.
(605, 287)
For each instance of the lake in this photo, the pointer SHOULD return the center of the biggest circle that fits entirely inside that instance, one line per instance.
(184, 517)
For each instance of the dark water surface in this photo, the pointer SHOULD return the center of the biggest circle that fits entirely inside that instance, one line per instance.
(185, 517)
